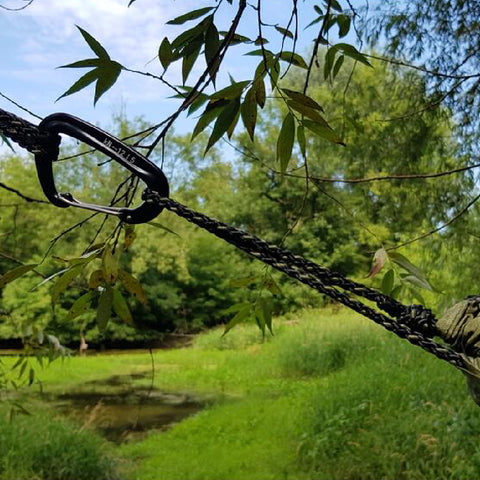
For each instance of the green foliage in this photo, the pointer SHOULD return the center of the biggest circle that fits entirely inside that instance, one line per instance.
(46, 448)
(184, 281)
(105, 70)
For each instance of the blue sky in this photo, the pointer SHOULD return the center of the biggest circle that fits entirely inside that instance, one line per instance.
(38, 39)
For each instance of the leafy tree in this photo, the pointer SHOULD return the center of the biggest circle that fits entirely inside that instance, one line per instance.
(334, 119)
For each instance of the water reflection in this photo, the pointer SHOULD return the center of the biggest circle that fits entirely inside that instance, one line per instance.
(124, 411)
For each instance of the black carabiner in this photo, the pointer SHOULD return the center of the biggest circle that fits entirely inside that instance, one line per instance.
(116, 150)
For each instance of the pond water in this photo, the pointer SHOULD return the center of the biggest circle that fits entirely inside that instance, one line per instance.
(121, 410)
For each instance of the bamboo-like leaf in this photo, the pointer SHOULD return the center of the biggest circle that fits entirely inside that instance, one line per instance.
(212, 44)
(249, 112)
(120, 307)
(334, 4)
(212, 111)
(87, 257)
(16, 273)
(94, 44)
(271, 285)
(329, 61)
(96, 279)
(260, 93)
(308, 112)
(344, 22)
(104, 308)
(6, 142)
(236, 39)
(285, 142)
(108, 76)
(186, 37)
(259, 52)
(194, 14)
(232, 91)
(236, 308)
(109, 266)
(261, 41)
(198, 103)
(416, 277)
(130, 236)
(242, 314)
(223, 122)
(165, 53)
(232, 126)
(274, 73)
(338, 65)
(352, 52)
(132, 285)
(189, 60)
(81, 83)
(406, 264)
(314, 22)
(164, 228)
(81, 305)
(388, 282)
(284, 31)
(294, 59)
(31, 376)
(263, 313)
(302, 142)
(303, 99)
(49, 278)
(64, 281)
(324, 132)
(417, 296)
(243, 282)
(87, 63)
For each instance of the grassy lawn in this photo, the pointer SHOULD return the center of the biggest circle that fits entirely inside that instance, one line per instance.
(330, 396)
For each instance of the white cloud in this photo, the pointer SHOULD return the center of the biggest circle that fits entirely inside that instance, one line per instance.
(131, 35)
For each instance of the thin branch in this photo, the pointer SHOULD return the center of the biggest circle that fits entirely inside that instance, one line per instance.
(427, 107)
(422, 69)
(347, 211)
(20, 106)
(29, 2)
(412, 176)
(156, 77)
(315, 47)
(244, 151)
(21, 195)
(204, 79)
(19, 262)
(68, 230)
(441, 227)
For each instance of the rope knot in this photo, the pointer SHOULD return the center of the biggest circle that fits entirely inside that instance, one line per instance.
(419, 319)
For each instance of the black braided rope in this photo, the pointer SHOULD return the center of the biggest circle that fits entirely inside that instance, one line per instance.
(414, 322)
(27, 135)
(275, 256)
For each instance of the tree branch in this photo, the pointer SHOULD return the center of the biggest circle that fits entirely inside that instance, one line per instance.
(21, 195)
(441, 227)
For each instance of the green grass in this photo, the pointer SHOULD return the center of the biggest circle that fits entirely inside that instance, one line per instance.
(330, 396)
(42, 447)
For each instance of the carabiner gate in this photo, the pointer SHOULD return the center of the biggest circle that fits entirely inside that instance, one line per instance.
(114, 149)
